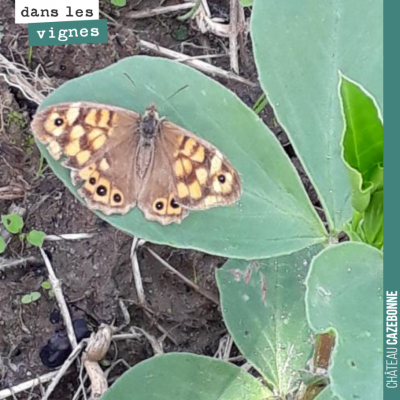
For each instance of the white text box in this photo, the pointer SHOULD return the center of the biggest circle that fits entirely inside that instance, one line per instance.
(27, 11)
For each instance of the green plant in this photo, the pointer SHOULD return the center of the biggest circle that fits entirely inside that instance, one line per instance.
(246, 3)
(16, 118)
(41, 167)
(46, 285)
(206, 379)
(299, 282)
(30, 298)
(273, 195)
(119, 3)
(35, 296)
(260, 104)
(14, 224)
(190, 13)
(363, 153)
(36, 238)
(3, 245)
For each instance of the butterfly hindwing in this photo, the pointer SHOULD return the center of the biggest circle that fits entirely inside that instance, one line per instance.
(203, 177)
(157, 199)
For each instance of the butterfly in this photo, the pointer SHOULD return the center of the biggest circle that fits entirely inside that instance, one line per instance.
(120, 159)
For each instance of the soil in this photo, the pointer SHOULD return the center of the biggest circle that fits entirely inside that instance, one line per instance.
(96, 273)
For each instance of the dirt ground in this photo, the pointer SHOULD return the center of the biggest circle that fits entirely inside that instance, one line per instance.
(96, 273)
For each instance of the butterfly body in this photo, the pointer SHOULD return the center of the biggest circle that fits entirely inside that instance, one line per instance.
(121, 160)
(149, 124)
(148, 129)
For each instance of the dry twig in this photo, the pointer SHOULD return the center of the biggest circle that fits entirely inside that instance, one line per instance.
(34, 86)
(5, 393)
(200, 65)
(137, 276)
(159, 11)
(233, 35)
(9, 263)
(56, 286)
(12, 192)
(224, 348)
(70, 236)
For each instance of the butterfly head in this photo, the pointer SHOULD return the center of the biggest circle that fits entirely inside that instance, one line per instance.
(150, 122)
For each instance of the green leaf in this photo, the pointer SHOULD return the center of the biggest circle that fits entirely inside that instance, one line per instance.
(13, 223)
(3, 245)
(46, 285)
(373, 220)
(246, 3)
(26, 299)
(344, 292)
(180, 376)
(263, 308)
(362, 142)
(363, 154)
(300, 47)
(30, 298)
(118, 3)
(36, 238)
(260, 104)
(35, 296)
(180, 33)
(274, 215)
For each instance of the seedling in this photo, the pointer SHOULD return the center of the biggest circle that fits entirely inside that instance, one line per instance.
(119, 3)
(3, 245)
(16, 118)
(36, 238)
(46, 285)
(14, 224)
(246, 3)
(30, 298)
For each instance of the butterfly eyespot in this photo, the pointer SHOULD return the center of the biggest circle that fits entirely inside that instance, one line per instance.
(221, 178)
(117, 198)
(174, 204)
(159, 205)
(92, 181)
(58, 121)
(101, 190)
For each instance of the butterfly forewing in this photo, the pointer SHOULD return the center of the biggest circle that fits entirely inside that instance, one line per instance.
(98, 142)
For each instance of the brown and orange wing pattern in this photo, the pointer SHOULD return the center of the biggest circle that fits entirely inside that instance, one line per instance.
(157, 199)
(98, 142)
(203, 176)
